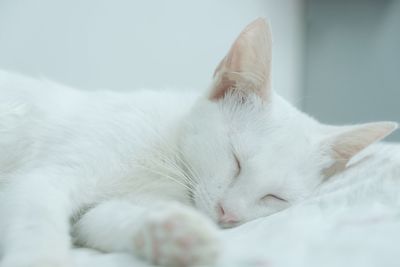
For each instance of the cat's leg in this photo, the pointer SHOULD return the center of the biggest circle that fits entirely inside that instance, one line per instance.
(168, 234)
(34, 213)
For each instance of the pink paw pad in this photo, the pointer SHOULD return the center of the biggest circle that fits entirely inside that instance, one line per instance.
(177, 237)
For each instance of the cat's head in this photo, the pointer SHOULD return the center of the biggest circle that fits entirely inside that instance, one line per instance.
(251, 153)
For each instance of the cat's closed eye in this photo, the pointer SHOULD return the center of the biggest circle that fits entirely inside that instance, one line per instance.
(238, 165)
(273, 197)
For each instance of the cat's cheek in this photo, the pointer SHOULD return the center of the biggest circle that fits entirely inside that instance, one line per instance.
(177, 236)
(205, 206)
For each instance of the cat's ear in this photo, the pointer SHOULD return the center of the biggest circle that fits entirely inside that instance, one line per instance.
(247, 66)
(347, 141)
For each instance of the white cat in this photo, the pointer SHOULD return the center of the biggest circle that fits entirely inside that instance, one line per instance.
(139, 172)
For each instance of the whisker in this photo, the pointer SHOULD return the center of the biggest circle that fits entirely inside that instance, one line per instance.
(163, 175)
(178, 154)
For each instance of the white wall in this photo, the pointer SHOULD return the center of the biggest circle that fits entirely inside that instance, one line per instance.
(127, 44)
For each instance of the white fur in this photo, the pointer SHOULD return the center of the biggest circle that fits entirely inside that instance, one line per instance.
(77, 150)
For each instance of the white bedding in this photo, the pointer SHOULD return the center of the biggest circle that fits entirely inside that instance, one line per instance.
(346, 224)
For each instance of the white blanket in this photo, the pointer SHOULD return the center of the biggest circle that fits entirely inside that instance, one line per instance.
(346, 224)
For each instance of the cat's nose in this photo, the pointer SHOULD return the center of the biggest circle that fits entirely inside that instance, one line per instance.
(225, 217)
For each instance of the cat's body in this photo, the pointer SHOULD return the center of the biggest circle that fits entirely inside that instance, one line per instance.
(138, 172)
(106, 145)
(89, 132)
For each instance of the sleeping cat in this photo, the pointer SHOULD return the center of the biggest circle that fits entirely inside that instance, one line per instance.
(153, 172)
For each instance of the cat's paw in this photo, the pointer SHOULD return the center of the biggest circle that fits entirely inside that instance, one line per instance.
(177, 236)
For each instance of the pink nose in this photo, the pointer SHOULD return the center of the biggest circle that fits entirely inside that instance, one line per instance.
(224, 216)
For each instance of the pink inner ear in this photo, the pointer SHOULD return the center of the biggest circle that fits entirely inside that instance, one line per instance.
(230, 63)
(247, 65)
(353, 139)
(225, 84)
(358, 137)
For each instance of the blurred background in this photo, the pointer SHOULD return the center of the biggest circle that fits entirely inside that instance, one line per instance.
(338, 60)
